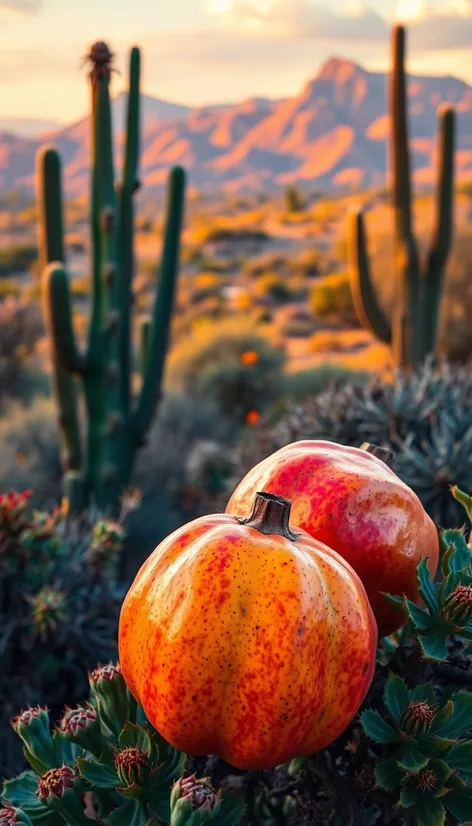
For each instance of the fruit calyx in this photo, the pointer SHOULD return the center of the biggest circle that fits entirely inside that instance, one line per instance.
(386, 456)
(270, 515)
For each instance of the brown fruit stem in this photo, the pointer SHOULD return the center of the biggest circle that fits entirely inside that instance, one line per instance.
(270, 515)
(386, 456)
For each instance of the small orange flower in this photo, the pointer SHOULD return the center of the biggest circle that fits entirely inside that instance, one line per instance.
(249, 357)
(252, 417)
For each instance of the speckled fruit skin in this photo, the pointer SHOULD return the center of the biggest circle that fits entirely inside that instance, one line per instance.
(253, 647)
(351, 501)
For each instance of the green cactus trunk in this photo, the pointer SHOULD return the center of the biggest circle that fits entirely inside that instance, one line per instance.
(412, 331)
(116, 422)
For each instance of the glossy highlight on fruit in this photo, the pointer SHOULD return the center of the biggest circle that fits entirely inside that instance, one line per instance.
(247, 639)
(352, 501)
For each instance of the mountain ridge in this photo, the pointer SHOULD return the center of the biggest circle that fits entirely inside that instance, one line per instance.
(332, 135)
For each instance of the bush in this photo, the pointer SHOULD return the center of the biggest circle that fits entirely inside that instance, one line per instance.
(21, 326)
(29, 451)
(59, 605)
(229, 364)
(298, 386)
(425, 418)
(274, 288)
(17, 259)
(331, 297)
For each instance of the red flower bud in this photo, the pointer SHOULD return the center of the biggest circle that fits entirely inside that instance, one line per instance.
(55, 782)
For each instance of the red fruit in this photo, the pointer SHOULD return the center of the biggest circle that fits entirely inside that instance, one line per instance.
(354, 503)
(245, 639)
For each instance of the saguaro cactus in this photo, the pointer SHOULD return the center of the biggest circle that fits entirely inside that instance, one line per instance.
(117, 423)
(412, 331)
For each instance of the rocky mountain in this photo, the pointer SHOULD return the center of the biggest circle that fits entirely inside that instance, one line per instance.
(333, 134)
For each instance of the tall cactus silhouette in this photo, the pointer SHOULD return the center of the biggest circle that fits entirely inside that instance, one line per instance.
(116, 421)
(412, 330)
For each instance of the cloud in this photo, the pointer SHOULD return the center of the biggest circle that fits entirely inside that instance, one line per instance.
(28, 6)
(300, 18)
(441, 31)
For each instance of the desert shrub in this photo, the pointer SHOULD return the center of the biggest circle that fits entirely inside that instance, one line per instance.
(229, 364)
(293, 199)
(268, 263)
(310, 382)
(424, 417)
(29, 450)
(17, 259)
(274, 288)
(59, 606)
(9, 288)
(331, 297)
(21, 326)
(218, 235)
(297, 327)
(310, 263)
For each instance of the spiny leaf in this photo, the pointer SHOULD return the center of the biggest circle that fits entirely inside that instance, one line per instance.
(412, 758)
(461, 720)
(426, 586)
(100, 775)
(396, 696)
(389, 775)
(378, 729)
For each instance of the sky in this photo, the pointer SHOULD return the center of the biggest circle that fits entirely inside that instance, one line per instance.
(208, 51)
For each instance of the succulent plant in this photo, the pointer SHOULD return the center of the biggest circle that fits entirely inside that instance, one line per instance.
(108, 751)
(59, 606)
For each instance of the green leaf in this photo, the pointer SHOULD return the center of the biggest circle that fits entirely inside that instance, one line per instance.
(459, 803)
(100, 775)
(412, 758)
(230, 810)
(66, 751)
(460, 756)
(389, 775)
(410, 793)
(426, 586)
(131, 813)
(396, 696)
(21, 792)
(421, 619)
(430, 812)
(464, 499)
(378, 729)
(461, 720)
(457, 555)
(397, 602)
(135, 735)
(424, 692)
(442, 717)
(434, 644)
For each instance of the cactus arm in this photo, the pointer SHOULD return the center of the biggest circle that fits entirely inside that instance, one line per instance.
(442, 235)
(400, 152)
(51, 248)
(58, 314)
(364, 297)
(163, 306)
(407, 321)
(128, 187)
(49, 199)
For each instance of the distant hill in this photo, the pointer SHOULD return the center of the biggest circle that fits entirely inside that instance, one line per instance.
(333, 134)
(28, 127)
